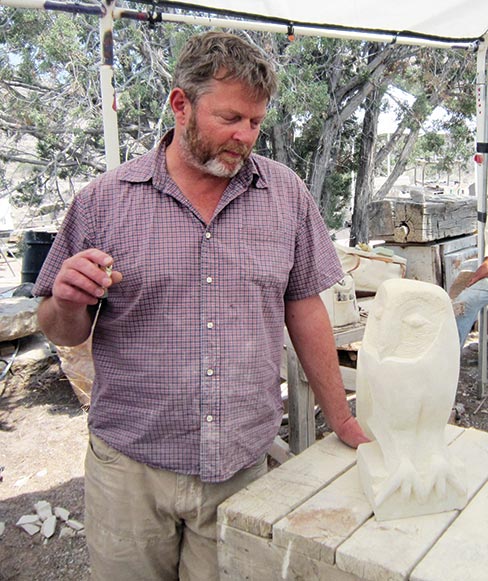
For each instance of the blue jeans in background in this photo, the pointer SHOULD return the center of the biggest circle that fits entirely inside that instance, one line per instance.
(467, 305)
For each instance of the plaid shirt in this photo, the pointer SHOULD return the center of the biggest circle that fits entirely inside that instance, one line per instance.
(187, 347)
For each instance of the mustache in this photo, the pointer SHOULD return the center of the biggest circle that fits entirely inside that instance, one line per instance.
(240, 149)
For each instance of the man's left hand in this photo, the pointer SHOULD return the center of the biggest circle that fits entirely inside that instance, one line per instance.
(351, 433)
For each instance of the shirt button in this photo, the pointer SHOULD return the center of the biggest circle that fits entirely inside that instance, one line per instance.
(209, 418)
(210, 325)
(210, 372)
(209, 279)
(208, 235)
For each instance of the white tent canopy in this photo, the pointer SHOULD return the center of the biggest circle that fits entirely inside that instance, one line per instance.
(449, 20)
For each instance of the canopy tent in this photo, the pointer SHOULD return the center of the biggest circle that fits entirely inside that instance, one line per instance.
(450, 21)
(436, 23)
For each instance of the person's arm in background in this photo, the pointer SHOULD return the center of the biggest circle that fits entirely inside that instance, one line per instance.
(480, 273)
(482, 270)
(310, 330)
(64, 317)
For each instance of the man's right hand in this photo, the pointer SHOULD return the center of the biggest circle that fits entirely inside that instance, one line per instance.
(82, 279)
(80, 282)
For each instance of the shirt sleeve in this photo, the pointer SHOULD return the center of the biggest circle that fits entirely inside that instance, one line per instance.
(71, 239)
(316, 265)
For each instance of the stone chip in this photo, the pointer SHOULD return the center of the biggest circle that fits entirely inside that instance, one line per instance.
(66, 532)
(49, 527)
(30, 528)
(75, 524)
(61, 513)
(43, 509)
(32, 519)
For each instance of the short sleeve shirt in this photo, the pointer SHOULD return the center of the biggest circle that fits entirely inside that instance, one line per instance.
(187, 347)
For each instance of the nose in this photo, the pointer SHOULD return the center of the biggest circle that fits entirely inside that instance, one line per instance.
(247, 132)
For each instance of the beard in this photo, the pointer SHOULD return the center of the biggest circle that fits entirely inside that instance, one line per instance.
(205, 156)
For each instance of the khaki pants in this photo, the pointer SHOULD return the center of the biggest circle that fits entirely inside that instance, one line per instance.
(144, 524)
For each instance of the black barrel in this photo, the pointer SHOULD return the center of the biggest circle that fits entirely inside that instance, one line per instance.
(36, 248)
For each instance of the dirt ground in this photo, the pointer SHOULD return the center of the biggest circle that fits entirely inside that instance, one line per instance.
(43, 437)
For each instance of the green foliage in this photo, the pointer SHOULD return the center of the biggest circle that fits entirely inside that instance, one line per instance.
(336, 185)
(51, 116)
(29, 193)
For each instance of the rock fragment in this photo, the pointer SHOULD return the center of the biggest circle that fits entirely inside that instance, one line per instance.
(30, 528)
(75, 524)
(66, 533)
(45, 520)
(49, 527)
(31, 519)
(43, 509)
(61, 513)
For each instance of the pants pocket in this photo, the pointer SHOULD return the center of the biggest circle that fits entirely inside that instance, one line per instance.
(102, 451)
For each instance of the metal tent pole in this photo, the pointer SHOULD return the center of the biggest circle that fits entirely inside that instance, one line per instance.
(482, 191)
(109, 102)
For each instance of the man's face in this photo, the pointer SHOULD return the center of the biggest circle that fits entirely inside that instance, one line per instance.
(222, 129)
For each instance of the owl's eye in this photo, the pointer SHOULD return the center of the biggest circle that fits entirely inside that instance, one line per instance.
(415, 321)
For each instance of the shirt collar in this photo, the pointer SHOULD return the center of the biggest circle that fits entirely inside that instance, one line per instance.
(152, 166)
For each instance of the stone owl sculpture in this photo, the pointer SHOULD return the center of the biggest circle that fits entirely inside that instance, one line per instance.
(407, 375)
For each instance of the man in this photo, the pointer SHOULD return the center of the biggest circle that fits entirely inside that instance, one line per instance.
(213, 248)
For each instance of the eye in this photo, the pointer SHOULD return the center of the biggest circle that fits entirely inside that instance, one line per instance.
(416, 321)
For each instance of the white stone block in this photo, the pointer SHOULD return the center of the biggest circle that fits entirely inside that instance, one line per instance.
(2, 528)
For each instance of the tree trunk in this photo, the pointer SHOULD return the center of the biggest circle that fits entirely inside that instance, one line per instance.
(345, 102)
(365, 175)
(400, 165)
(279, 142)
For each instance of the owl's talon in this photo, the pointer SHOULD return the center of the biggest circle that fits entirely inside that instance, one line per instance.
(405, 478)
(442, 474)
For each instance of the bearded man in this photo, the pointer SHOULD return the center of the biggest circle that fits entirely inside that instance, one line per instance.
(213, 249)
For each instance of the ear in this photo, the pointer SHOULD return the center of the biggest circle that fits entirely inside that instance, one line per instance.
(180, 105)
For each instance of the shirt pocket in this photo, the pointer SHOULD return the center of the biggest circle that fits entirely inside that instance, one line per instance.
(266, 257)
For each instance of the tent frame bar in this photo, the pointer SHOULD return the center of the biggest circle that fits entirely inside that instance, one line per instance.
(256, 24)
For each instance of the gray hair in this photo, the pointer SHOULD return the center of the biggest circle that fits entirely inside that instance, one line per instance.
(223, 56)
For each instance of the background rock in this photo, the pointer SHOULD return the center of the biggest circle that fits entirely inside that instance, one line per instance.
(18, 318)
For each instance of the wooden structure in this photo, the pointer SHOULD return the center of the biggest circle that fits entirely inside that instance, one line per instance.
(406, 220)
(309, 519)
(301, 400)
(437, 262)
